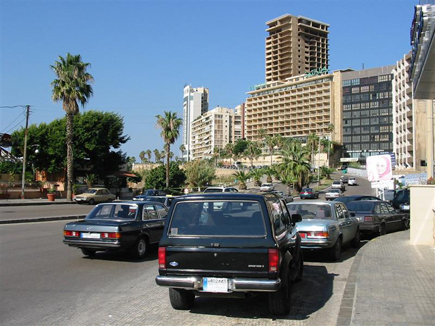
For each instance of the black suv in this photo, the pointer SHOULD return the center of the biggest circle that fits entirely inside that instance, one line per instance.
(230, 244)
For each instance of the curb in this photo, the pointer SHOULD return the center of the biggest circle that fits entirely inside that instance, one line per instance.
(44, 219)
(35, 203)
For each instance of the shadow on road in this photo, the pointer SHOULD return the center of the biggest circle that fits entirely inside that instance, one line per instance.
(321, 256)
(124, 255)
(308, 296)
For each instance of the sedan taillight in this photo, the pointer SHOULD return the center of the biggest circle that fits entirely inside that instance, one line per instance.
(368, 218)
(162, 257)
(273, 260)
(71, 233)
(110, 235)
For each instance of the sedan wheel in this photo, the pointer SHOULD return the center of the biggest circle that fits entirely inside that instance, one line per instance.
(91, 202)
(356, 240)
(88, 252)
(336, 250)
(140, 248)
(382, 229)
(405, 224)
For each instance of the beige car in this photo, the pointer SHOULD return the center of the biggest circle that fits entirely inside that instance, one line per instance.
(94, 195)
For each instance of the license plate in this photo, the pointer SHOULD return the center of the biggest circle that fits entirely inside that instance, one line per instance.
(215, 285)
(90, 235)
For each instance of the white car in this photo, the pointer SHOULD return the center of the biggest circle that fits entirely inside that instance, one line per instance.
(352, 181)
(337, 184)
(332, 194)
(267, 187)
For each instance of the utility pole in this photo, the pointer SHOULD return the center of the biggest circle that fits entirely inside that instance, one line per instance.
(25, 153)
(318, 168)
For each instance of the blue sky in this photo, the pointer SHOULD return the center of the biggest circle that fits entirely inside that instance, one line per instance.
(142, 53)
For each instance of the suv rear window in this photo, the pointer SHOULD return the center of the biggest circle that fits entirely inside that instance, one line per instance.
(217, 218)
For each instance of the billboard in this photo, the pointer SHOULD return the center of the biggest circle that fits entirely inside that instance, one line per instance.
(379, 168)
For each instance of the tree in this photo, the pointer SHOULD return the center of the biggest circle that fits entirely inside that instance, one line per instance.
(97, 140)
(252, 151)
(199, 173)
(269, 172)
(148, 154)
(156, 178)
(182, 150)
(270, 142)
(242, 178)
(142, 156)
(70, 87)
(295, 163)
(257, 174)
(170, 125)
(229, 151)
(157, 155)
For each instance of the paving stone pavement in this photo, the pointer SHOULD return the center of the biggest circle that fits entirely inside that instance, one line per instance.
(394, 284)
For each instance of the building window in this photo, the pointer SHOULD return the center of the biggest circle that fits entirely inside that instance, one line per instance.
(364, 89)
(347, 107)
(355, 81)
(365, 138)
(374, 129)
(365, 122)
(365, 97)
(356, 114)
(384, 137)
(347, 115)
(355, 90)
(374, 104)
(356, 106)
(346, 82)
(374, 113)
(374, 121)
(356, 98)
(365, 113)
(356, 131)
(356, 122)
(356, 139)
(365, 130)
(385, 146)
(365, 146)
(347, 139)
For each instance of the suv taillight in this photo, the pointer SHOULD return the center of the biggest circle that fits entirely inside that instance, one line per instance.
(273, 260)
(162, 257)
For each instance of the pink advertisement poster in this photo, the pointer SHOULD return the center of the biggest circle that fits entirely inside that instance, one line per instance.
(379, 168)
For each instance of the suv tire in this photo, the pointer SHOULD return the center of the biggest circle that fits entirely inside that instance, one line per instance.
(181, 299)
(300, 267)
(279, 301)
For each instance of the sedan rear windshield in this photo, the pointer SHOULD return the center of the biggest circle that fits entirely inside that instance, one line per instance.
(217, 218)
(360, 206)
(311, 211)
(113, 212)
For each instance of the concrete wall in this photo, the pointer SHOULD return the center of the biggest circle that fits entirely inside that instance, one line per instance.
(422, 214)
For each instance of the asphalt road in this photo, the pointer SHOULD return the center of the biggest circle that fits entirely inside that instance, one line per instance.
(44, 282)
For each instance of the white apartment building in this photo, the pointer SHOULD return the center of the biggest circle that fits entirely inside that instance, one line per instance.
(403, 128)
(195, 103)
(214, 129)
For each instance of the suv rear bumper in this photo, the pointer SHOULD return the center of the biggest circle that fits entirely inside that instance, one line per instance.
(234, 284)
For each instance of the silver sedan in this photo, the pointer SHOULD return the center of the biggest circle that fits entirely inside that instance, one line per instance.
(326, 226)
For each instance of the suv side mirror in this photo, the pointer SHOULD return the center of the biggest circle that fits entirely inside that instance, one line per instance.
(296, 218)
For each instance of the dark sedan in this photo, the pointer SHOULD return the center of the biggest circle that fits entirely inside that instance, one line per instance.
(308, 193)
(121, 225)
(378, 217)
(348, 199)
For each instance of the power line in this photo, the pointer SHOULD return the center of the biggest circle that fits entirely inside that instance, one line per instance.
(12, 122)
(15, 125)
(12, 106)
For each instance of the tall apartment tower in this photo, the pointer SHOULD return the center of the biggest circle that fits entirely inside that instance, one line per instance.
(295, 45)
(195, 103)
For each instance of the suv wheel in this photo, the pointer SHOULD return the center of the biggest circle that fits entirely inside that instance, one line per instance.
(181, 299)
(300, 267)
(279, 301)
(336, 250)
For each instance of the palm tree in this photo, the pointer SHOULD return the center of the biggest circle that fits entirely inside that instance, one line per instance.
(148, 154)
(270, 142)
(252, 151)
(242, 178)
(269, 172)
(71, 86)
(182, 150)
(170, 125)
(257, 174)
(229, 150)
(295, 162)
(142, 156)
(156, 155)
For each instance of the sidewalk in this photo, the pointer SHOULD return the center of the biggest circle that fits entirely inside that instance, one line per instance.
(30, 202)
(391, 282)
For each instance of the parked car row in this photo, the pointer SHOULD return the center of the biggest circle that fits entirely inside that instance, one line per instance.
(229, 243)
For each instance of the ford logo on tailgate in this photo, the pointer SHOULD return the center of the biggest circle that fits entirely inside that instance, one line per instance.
(173, 264)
